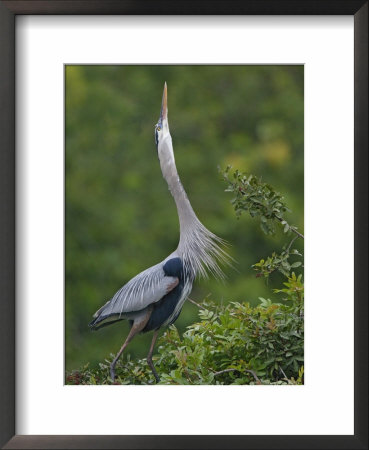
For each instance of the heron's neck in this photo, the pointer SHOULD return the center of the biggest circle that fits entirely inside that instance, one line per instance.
(198, 247)
(186, 215)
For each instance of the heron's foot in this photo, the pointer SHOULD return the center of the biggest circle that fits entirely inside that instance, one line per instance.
(153, 370)
(157, 378)
(112, 371)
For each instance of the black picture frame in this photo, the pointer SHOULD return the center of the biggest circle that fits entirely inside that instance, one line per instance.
(8, 11)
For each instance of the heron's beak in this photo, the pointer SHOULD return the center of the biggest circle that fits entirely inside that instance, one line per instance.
(164, 107)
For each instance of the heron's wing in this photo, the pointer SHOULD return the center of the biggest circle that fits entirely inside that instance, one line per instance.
(141, 291)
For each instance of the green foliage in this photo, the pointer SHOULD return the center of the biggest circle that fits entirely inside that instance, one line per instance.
(259, 199)
(230, 344)
(280, 262)
(294, 288)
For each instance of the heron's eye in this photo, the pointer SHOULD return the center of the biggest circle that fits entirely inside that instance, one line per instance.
(158, 128)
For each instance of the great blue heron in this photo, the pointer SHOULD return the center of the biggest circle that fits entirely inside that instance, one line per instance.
(154, 298)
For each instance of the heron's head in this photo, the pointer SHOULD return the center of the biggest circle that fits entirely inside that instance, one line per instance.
(163, 138)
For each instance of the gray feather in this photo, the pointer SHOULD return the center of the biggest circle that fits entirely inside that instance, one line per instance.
(141, 291)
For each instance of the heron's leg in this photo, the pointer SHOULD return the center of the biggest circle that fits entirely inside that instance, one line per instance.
(134, 330)
(137, 326)
(149, 356)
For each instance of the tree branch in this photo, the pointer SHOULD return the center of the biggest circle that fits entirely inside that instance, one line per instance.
(291, 228)
(289, 245)
(280, 368)
(237, 370)
(195, 303)
(285, 376)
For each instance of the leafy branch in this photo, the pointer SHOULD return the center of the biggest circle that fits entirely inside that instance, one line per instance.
(280, 262)
(258, 199)
(261, 200)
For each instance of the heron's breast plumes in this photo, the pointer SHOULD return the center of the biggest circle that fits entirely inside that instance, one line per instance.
(203, 252)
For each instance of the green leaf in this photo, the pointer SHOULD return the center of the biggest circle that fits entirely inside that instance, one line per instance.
(264, 227)
(296, 264)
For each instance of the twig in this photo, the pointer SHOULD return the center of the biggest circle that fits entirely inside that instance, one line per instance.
(285, 376)
(195, 303)
(224, 371)
(298, 233)
(289, 245)
(291, 228)
(286, 251)
(238, 370)
(280, 368)
(254, 375)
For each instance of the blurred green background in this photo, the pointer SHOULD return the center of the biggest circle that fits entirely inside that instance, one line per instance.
(120, 217)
